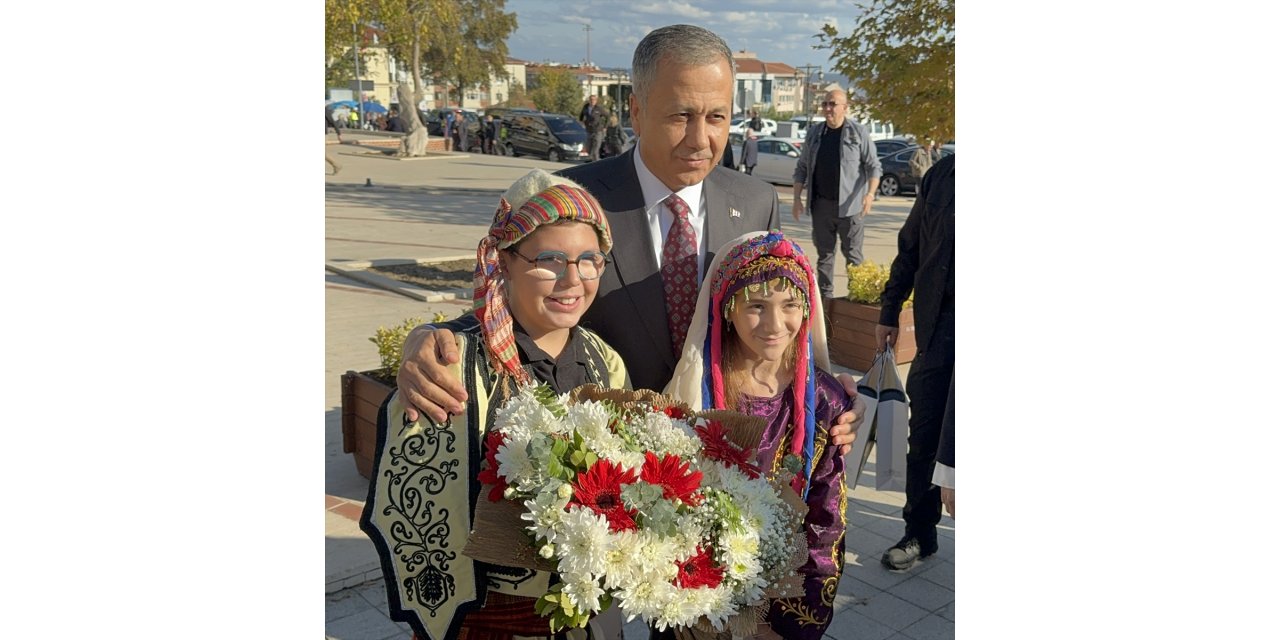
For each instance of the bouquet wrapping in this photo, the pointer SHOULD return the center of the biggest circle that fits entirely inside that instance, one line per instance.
(635, 499)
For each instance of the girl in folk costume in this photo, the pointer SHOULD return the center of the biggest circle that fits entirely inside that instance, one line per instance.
(757, 344)
(537, 272)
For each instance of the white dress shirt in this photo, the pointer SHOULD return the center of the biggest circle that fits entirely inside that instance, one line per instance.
(660, 217)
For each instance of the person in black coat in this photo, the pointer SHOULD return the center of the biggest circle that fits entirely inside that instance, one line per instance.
(749, 151)
(395, 123)
(925, 264)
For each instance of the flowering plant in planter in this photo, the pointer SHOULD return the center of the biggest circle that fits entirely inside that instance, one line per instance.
(866, 283)
(649, 505)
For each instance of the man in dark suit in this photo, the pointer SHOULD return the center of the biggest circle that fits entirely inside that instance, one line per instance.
(925, 263)
(667, 202)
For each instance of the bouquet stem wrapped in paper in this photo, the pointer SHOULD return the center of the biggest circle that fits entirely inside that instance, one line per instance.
(635, 499)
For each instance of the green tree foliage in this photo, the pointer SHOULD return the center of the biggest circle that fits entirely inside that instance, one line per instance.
(901, 58)
(558, 92)
(474, 48)
(410, 27)
(339, 36)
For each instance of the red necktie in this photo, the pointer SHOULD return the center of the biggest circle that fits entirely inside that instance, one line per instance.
(679, 272)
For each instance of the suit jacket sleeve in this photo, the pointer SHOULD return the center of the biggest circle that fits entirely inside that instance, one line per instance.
(944, 471)
(902, 275)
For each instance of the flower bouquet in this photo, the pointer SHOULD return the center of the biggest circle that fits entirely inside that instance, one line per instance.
(631, 497)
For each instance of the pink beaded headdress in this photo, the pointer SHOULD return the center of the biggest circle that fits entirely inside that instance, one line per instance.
(751, 265)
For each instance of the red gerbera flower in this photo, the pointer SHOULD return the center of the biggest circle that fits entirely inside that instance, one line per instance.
(698, 570)
(674, 412)
(600, 488)
(717, 446)
(490, 475)
(673, 476)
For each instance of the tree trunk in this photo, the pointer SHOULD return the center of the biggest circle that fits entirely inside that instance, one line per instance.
(414, 143)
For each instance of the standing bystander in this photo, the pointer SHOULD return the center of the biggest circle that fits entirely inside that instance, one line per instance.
(839, 165)
(596, 120)
(925, 264)
(750, 149)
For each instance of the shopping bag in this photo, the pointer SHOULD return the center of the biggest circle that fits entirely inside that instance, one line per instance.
(869, 389)
(891, 428)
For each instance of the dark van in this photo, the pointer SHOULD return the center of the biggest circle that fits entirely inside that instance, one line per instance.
(553, 136)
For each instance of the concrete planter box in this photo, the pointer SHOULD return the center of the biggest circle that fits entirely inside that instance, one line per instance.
(852, 341)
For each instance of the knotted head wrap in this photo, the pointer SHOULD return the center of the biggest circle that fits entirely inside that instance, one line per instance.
(750, 262)
(536, 199)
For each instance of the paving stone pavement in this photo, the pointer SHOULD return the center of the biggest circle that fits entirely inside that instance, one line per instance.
(436, 210)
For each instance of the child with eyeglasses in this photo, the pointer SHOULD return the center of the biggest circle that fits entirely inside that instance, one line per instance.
(537, 272)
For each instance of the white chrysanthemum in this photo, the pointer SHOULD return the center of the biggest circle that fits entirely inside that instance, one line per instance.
(584, 594)
(683, 608)
(544, 512)
(647, 599)
(514, 463)
(656, 557)
(583, 541)
(523, 415)
(689, 533)
(739, 554)
(716, 604)
(620, 568)
(591, 421)
(629, 460)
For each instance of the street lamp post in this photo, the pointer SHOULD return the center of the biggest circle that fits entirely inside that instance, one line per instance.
(356, 50)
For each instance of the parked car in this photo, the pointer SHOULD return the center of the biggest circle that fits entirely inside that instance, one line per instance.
(895, 177)
(885, 147)
(775, 158)
(738, 125)
(553, 136)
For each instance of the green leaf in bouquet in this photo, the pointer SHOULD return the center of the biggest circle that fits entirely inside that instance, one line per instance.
(547, 397)
(555, 469)
(589, 458)
(577, 458)
(560, 447)
(640, 495)
(661, 518)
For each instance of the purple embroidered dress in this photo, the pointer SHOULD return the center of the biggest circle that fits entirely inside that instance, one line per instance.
(808, 617)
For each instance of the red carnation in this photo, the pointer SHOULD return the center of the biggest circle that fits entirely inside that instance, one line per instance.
(490, 475)
(600, 488)
(673, 476)
(717, 446)
(698, 570)
(675, 412)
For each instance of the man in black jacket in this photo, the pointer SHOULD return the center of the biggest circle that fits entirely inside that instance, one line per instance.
(925, 263)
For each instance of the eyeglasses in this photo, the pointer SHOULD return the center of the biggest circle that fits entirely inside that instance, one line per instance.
(551, 265)
(830, 103)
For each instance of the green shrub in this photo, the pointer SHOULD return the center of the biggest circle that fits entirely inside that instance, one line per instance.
(390, 344)
(866, 283)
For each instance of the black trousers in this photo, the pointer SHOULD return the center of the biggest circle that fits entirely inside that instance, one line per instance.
(927, 387)
(827, 226)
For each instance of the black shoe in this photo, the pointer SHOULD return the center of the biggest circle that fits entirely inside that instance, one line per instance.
(903, 555)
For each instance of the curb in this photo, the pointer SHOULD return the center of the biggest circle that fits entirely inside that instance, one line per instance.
(358, 271)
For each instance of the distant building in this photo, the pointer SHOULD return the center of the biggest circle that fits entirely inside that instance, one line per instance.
(764, 85)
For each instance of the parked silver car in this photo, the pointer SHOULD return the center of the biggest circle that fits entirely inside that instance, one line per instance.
(775, 158)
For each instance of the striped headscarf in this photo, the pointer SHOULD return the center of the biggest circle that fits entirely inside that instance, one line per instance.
(536, 199)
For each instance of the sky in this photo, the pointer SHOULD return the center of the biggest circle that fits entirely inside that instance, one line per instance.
(554, 30)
